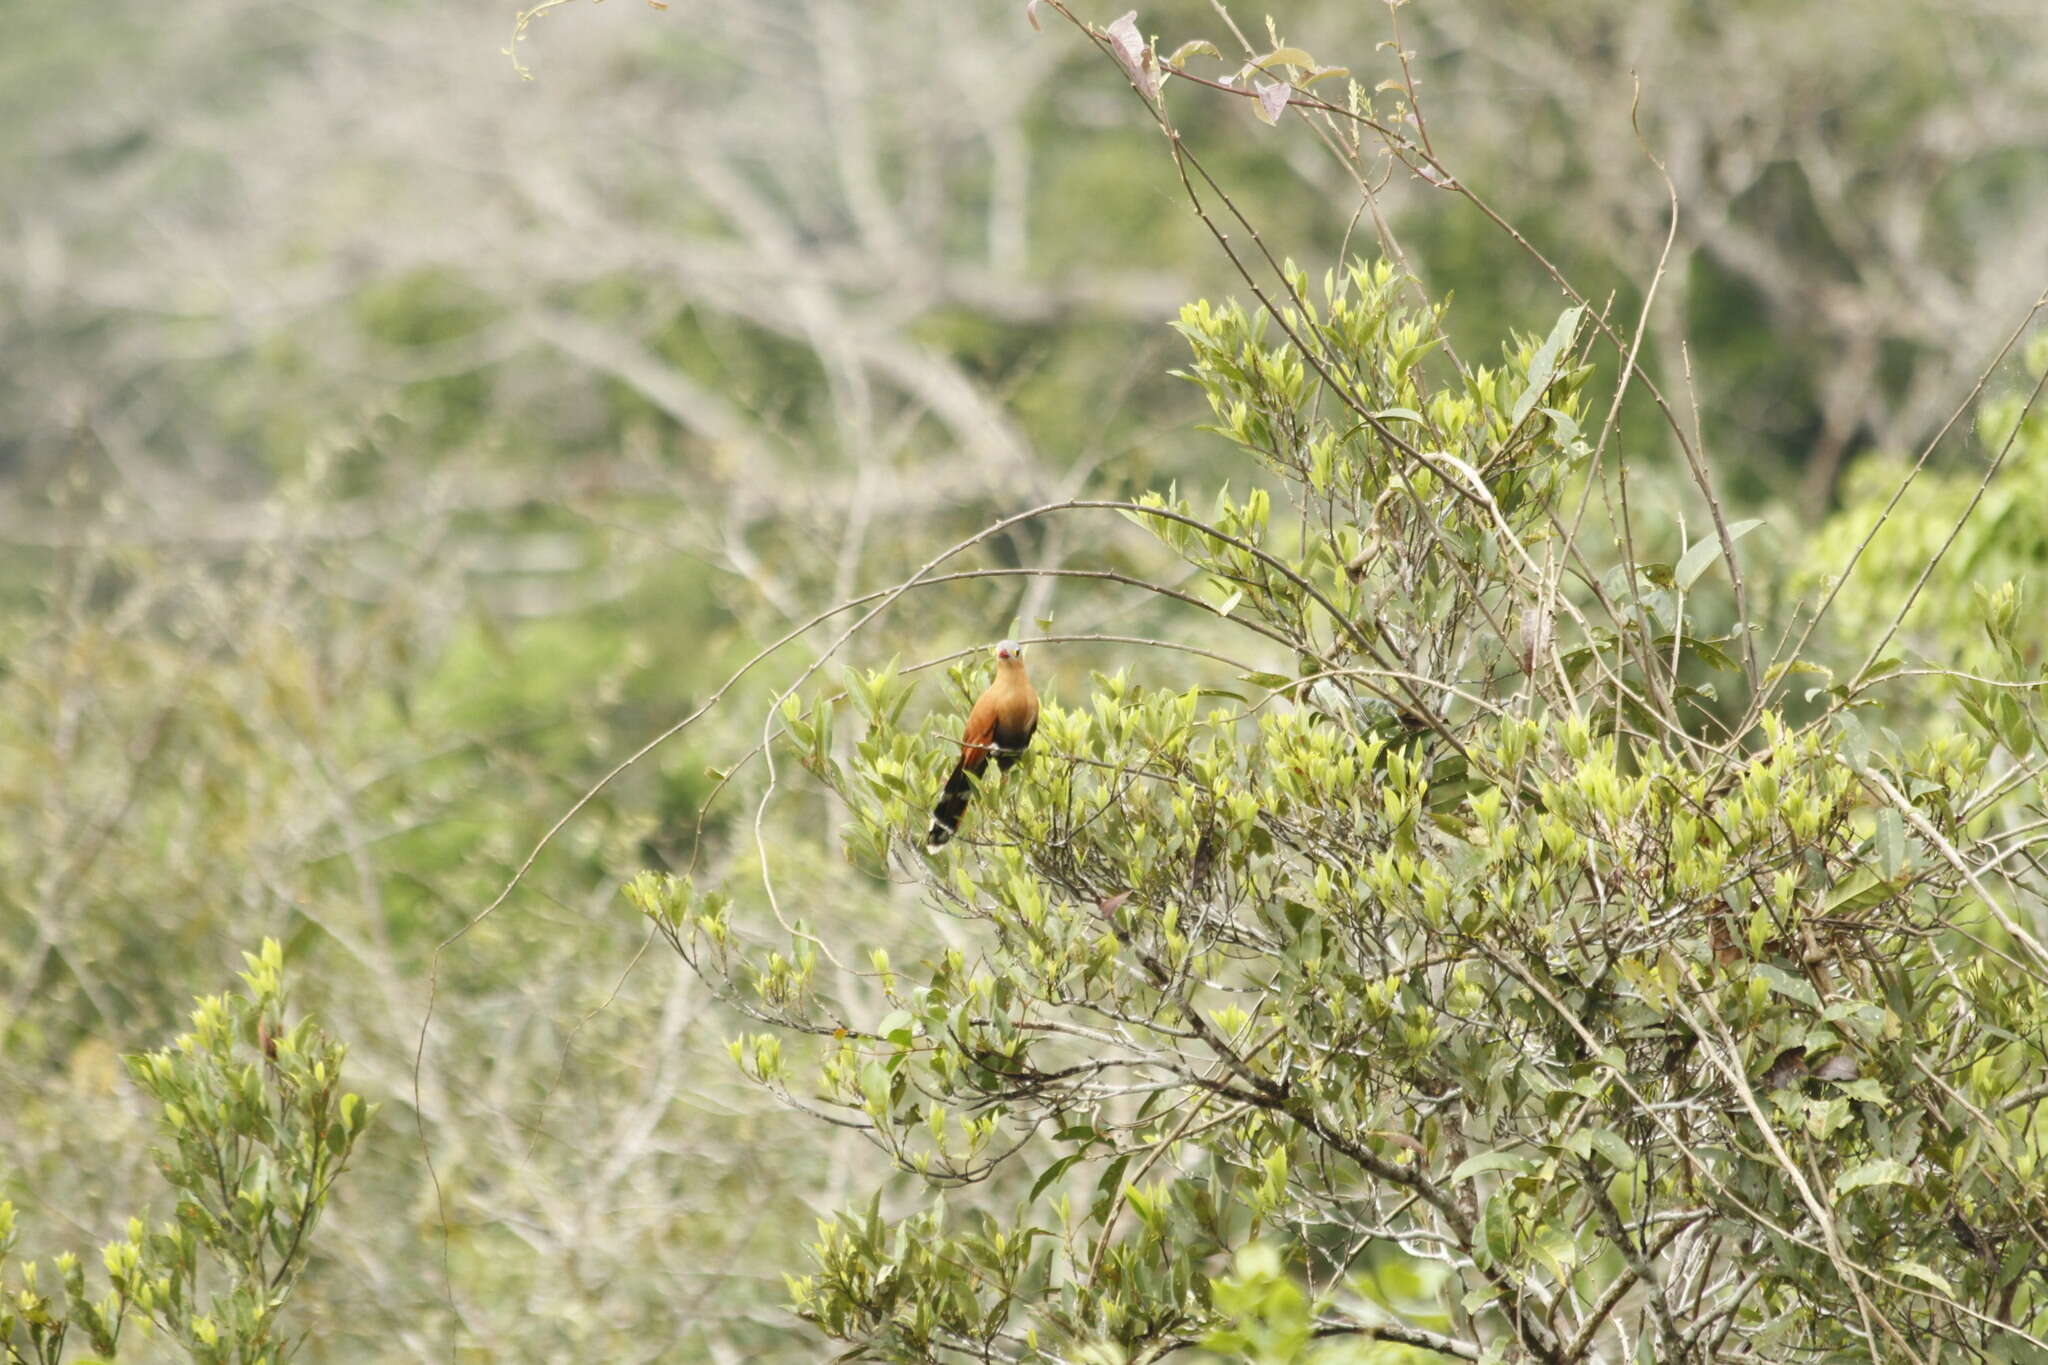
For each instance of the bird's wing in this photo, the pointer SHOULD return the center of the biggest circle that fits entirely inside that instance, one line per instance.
(979, 736)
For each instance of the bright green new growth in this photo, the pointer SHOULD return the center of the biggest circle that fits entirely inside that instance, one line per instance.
(257, 1130)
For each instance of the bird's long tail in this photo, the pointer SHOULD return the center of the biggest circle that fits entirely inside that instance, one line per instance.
(952, 805)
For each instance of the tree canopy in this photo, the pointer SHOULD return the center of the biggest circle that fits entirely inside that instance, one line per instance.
(1536, 968)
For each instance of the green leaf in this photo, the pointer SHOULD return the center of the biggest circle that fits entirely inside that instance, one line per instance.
(1696, 560)
(1497, 1227)
(1711, 654)
(1481, 1162)
(2013, 727)
(1860, 892)
(1406, 360)
(1882, 1171)
(1914, 1270)
(1279, 56)
(896, 1028)
(1543, 367)
(1052, 1173)
(1780, 670)
(1612, 1146)
(1272, 682)
(1106, 1187)
(1891, 842)
(1784, 983)
(874, 1088)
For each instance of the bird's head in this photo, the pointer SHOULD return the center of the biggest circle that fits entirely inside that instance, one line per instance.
(1009, 650)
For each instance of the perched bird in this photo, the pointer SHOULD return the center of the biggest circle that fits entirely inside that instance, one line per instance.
(1002, 722)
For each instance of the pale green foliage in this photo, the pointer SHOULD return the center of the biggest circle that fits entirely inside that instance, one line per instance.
(1476, 943)
(204, 743)
(1272, 1322)
(1902, 519)
(257, 1130)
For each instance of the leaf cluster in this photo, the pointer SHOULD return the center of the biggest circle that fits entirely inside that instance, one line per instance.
(257, 1130)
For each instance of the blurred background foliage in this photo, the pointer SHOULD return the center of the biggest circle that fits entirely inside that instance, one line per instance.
(395, 445)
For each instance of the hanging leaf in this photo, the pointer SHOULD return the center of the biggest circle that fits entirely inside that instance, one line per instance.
(1134, 53)
(1053, 1172)
(1272, 101)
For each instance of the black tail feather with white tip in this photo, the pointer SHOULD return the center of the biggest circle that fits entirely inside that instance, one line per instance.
(952, 805)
